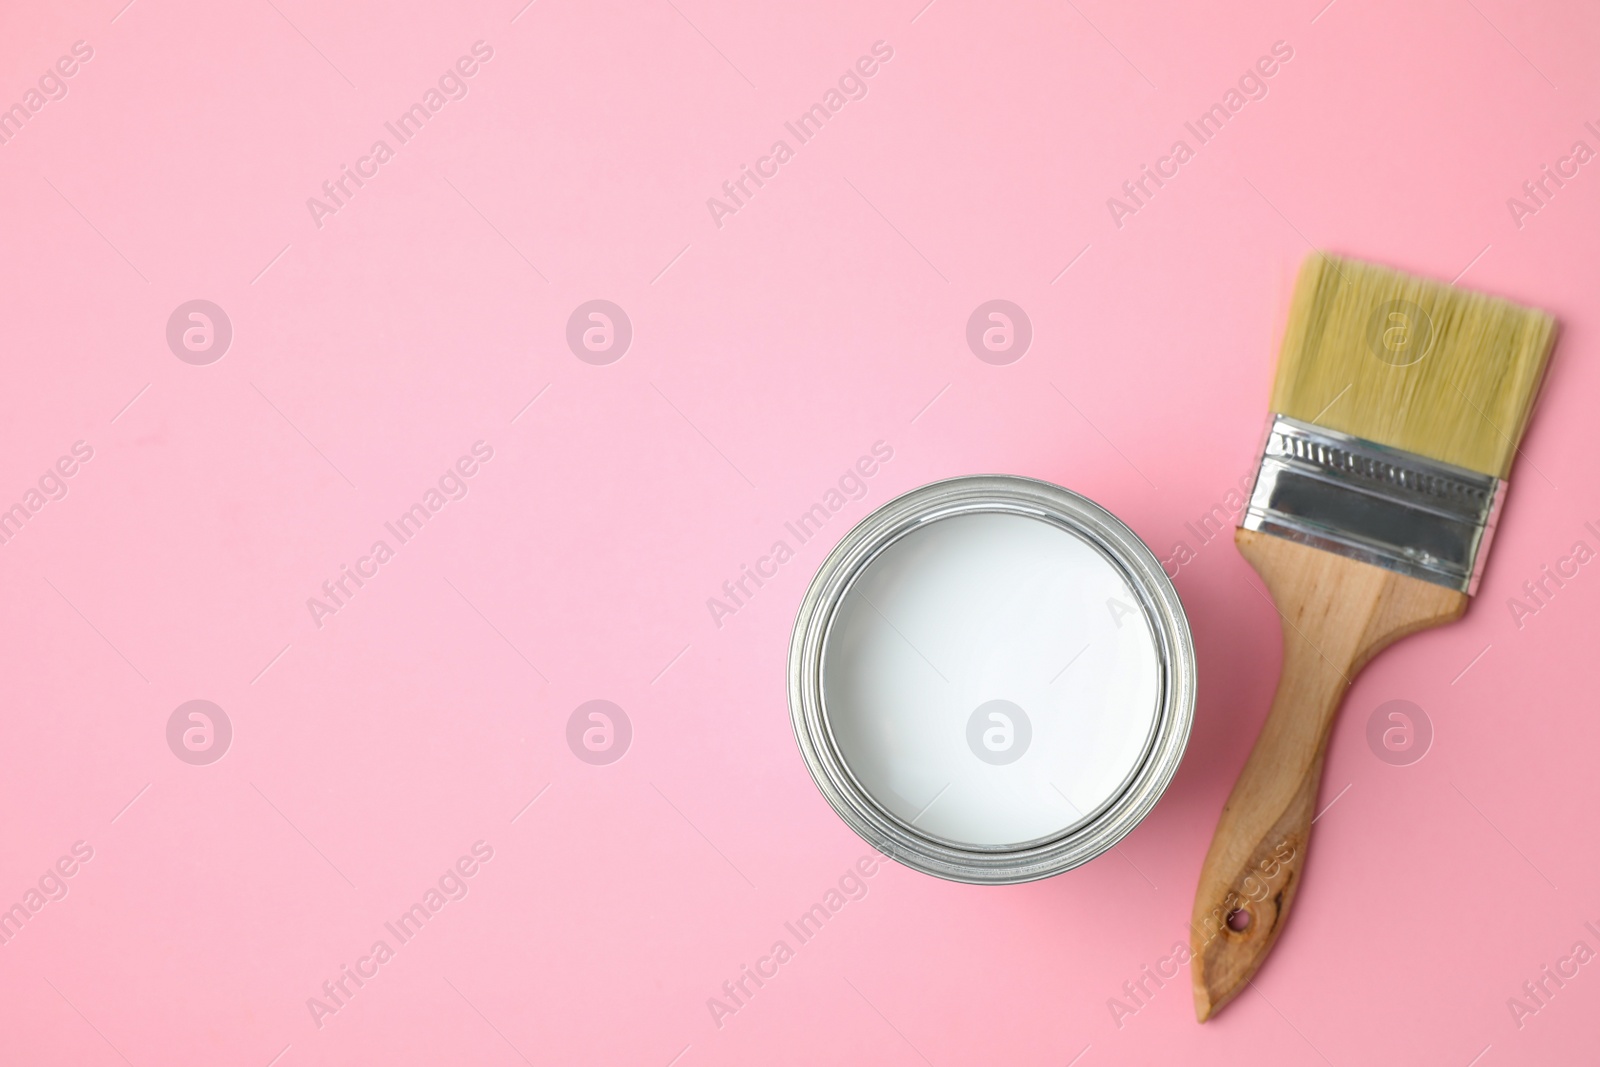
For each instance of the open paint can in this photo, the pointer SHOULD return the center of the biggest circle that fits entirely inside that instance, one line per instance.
(991, 679)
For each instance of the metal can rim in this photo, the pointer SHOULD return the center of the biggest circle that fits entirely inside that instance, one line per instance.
(973, 494)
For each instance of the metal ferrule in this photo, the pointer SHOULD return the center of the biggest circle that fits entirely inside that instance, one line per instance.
(1380, 505)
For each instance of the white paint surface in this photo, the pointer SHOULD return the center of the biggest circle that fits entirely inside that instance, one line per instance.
(978, 608)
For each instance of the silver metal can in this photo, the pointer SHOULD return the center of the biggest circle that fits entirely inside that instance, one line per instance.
(1011, 640)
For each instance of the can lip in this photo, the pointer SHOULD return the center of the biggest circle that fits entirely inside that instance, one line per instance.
(1099, 830)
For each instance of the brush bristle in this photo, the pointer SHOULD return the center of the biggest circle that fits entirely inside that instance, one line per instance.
(1411, 363)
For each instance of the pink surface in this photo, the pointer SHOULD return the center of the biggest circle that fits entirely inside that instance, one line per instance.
(376, 746)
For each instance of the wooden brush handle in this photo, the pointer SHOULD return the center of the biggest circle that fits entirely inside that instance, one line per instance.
(1337, 614)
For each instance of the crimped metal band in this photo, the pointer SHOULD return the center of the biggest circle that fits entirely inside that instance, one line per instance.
(1376, 504)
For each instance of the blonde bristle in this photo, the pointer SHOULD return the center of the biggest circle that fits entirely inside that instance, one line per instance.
(1411, 363)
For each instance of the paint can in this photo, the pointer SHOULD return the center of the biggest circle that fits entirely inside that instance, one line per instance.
(991, 679)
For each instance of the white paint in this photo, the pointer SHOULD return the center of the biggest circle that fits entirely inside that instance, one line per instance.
(982, 607)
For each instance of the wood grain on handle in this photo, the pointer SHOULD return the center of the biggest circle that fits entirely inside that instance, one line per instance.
(1337, 614)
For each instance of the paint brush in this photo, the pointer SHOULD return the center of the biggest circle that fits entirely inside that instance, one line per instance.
(1396, 413)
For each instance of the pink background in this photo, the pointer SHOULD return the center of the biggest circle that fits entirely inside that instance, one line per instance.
(768, 354)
